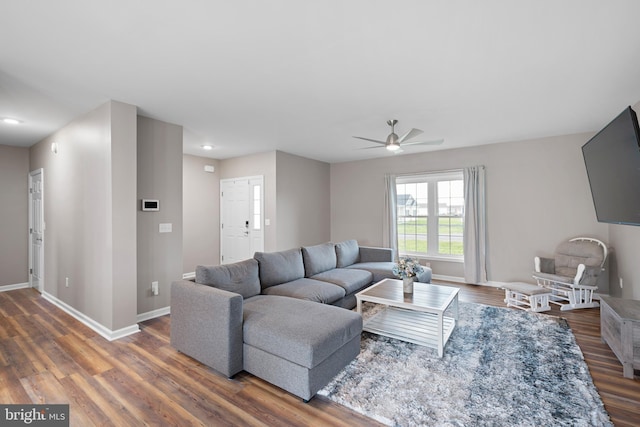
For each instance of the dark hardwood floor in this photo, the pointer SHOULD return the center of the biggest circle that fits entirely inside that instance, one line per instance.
(46, 356)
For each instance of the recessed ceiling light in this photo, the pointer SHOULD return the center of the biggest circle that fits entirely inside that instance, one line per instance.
(11, 121)
(207, 147)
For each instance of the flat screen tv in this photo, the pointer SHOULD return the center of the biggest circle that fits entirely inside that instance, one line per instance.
(612, 159)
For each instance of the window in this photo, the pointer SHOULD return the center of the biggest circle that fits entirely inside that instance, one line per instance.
(430, 215)
(257, 204)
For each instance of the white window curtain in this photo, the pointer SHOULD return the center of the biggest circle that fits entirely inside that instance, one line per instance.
(475, 241)
(389, 223)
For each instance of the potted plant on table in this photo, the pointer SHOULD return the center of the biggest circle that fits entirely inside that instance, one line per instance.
(407, 269)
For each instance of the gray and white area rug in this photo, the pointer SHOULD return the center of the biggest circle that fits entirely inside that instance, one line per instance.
(501, 367)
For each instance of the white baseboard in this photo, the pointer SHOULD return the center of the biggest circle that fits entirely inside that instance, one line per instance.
(153, 314)
(496, 284)
(105, 332)
(456, 279)
(191, 275)
(453, 279)
(5, 288)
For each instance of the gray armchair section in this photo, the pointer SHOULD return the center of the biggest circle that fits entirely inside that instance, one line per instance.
(206, 324)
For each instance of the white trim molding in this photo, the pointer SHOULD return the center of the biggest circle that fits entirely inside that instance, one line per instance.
(105, 332)
(5, 288)
(191, 275)
(453, 279)
(456, 279)
(498, 284)
(153, 314)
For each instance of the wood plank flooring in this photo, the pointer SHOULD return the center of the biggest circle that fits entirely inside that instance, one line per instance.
(46, 356)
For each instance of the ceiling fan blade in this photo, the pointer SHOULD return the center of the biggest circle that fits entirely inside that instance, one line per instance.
(368, 148)
(372, 140)
(436, 142)
(412, 133)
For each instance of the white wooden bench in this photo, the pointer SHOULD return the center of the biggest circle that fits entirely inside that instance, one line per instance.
(526, 296)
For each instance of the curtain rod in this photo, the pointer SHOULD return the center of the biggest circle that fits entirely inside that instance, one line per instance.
(438, 171)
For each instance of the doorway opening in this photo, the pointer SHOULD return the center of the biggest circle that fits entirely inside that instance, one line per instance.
(36, 229)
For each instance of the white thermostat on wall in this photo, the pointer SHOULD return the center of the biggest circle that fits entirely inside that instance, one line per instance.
(150, 205)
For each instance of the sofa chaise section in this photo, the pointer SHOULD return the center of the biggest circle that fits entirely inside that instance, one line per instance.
(298, 345)
(228, 325)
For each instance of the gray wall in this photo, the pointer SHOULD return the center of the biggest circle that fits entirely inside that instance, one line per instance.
(537, 196)
(297, 200)
(159, 177)
(201, 213)
(625, 240)
(123, 206)
(303, 201)
(14, 211)
(88, 186)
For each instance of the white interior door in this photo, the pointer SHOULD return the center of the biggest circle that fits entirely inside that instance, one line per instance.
(241, 218)
(36, 230)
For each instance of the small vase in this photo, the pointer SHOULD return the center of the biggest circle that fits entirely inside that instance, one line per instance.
(407, 284)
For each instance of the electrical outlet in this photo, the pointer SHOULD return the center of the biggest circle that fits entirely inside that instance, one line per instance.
(154, 288)
(66, 282)
(621, 284)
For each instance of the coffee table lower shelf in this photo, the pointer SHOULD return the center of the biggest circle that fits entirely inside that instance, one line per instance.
(412, 326)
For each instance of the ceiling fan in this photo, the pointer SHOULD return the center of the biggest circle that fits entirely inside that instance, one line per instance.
(393, 142)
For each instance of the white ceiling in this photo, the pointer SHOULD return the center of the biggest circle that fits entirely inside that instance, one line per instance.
(305, 76)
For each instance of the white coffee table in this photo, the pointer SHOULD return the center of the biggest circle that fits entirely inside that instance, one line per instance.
(418, 318)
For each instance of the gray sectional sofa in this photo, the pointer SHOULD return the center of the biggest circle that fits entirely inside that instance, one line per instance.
(263, 315)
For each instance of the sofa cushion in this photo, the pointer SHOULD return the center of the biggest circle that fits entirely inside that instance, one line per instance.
(240, 277)
(308, 289)
(280, 267)
(571, 254)
(302, 332)
(347, 253)
(318, 258)
(380, 270)
(350, 279)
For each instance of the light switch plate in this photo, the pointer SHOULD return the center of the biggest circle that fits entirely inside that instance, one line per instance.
(166, 228)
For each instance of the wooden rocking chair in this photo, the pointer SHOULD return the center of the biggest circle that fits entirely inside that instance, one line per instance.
(572, 274)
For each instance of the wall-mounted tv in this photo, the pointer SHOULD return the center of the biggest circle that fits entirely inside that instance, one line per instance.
(612, 159)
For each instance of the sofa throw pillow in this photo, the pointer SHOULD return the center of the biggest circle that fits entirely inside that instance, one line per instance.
(347, 252)
(240, 277)
(280, 267)
(319, 258)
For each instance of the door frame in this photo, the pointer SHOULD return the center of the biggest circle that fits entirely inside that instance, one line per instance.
(249, 179)
(39, 171)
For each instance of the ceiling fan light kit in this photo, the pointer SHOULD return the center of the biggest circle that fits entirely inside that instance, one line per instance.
(394, 146)
(393, 142)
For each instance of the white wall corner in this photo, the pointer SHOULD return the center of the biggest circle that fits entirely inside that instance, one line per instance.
(103, 331)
